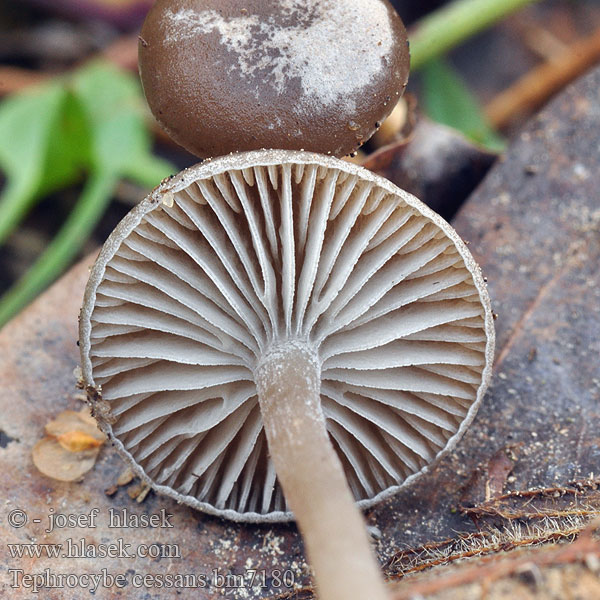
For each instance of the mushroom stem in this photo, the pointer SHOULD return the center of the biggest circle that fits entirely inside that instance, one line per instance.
(312, 476)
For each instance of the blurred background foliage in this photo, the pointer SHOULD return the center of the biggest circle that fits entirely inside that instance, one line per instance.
(78, 146)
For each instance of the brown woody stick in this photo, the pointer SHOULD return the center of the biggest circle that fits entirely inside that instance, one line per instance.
(537, 86)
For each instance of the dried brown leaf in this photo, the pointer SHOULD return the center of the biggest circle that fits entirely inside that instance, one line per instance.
(78, 441)
(70, 421)
(85, 414)
(487, 482)
(54, 461)
(71, 447)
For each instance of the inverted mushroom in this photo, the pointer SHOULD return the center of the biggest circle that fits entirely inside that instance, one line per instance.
(267, 326)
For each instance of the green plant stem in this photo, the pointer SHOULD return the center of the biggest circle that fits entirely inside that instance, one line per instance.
(15, 202)
(64, 247)
(454, 23)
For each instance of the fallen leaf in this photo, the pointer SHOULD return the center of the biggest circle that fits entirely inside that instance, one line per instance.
(70, 421)
(499, 468)
(54, 461)
(488, 481)
(135, 490)
(85, 414)
(77, 441)
(71, 446)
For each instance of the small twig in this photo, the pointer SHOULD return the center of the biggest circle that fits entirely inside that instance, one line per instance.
(541, 502)
(492, 541)
(537, 86)
(543, 43)
(492, 569)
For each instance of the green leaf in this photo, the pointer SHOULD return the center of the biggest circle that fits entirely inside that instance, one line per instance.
(447, 100)
(114, 105)
(26, 124)
(68, 155)
(93, 122)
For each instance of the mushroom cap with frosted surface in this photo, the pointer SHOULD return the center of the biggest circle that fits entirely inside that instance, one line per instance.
(222, 76)
(200, 285)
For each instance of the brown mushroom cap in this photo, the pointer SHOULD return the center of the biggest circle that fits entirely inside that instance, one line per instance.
(223, 76)
(204, 280)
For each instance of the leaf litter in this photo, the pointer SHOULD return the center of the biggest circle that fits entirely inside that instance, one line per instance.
(71, 446)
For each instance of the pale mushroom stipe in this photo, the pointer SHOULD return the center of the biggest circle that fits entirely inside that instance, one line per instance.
(280, 333)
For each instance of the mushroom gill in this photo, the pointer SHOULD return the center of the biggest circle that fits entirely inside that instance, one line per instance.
(240, 258)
